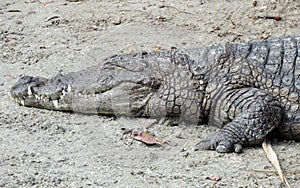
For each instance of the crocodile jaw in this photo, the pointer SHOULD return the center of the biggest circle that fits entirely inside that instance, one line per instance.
(35, 92)
(54, 95)
(93, 98)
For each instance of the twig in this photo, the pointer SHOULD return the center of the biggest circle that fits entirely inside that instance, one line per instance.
(14, 11)
(272, 156)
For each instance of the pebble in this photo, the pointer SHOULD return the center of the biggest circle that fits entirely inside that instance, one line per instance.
(116, 21)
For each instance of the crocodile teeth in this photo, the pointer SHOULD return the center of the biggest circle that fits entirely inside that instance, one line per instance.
(29, 91)
(55, 103)
(69, 89)
(37, 97)
(22, 102)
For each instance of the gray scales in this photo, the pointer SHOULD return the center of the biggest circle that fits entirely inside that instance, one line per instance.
(251, 90)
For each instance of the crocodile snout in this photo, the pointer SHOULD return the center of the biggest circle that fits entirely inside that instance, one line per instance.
(24, 87)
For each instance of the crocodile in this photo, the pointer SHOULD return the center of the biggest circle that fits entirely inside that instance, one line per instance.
(250, 90)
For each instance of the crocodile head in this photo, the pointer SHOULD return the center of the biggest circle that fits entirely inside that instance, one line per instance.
(93, 91)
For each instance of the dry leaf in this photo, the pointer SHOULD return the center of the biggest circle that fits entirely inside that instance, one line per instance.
(157, 48)
(271, 155)
(263, 36)
(147, 138)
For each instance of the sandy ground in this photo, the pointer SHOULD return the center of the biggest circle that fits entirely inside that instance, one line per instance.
(41, 148)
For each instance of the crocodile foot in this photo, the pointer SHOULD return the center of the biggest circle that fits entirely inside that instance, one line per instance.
(219, 142)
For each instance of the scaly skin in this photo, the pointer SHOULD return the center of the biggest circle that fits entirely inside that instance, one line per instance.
(247, 89)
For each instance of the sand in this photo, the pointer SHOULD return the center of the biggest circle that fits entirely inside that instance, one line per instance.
(41, 148)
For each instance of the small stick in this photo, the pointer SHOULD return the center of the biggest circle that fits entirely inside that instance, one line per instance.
(277, 18)
(14, 10)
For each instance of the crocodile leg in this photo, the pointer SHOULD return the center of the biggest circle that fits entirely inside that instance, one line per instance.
(251, 113)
